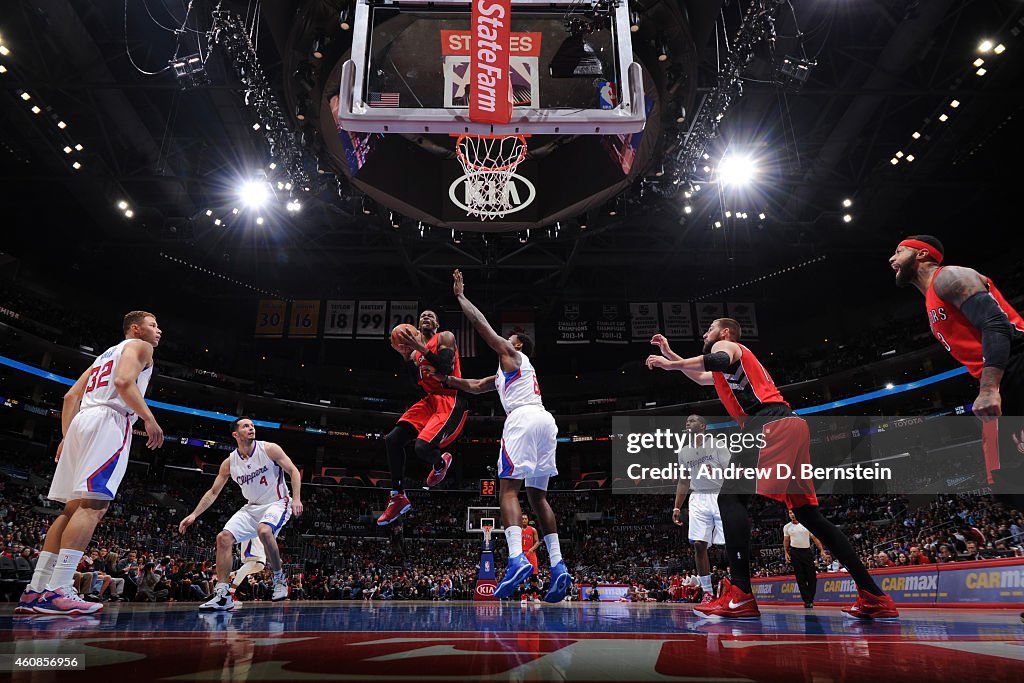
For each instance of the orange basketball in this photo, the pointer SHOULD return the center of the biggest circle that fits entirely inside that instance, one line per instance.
(396, 340)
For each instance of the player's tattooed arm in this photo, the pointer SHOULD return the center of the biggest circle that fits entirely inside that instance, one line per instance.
(956, 284)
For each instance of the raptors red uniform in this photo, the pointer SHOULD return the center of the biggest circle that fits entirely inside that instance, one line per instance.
(750, 396)
(440, 415)
(530, 540)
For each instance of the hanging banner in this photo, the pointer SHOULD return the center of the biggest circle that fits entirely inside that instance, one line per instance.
(707, 313)
(270, 317)
(610, 324)
(339, 320)
(573, 326)
(678, 320)
(643, 321)
(404, 312)
(304, 321)
(745, 315)
(372, 320)
(490, 89)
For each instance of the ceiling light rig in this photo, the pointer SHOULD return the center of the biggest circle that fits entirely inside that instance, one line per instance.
(229, 31)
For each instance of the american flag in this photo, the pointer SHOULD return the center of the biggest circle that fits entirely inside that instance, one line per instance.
(465, 338)
(383, 99)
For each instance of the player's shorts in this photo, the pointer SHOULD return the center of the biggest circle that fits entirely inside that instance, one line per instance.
(533, 560)
(251, 550)
(95, 456)
(245, 523)
(705, 519)
(438, 419)
(528, 446)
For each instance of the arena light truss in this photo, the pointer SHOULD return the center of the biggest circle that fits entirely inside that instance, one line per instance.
(229, 32)
(758, 26)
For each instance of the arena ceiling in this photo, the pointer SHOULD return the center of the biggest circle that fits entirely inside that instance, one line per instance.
(885, 69)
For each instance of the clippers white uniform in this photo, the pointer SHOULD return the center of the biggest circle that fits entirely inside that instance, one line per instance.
(95, 454)
(705, 518)
(530, 434)
(252, 551)
(263, 485)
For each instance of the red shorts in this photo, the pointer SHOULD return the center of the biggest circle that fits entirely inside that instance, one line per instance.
(438, 419)
(533, 561)
(788, 442)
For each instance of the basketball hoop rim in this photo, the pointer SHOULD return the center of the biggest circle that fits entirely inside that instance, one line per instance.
(469, 165)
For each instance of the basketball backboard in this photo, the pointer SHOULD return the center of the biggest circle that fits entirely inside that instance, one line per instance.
(478, 517)
(570, 65)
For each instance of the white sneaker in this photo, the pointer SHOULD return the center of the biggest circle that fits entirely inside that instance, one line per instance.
(221, 600)
(280, 592)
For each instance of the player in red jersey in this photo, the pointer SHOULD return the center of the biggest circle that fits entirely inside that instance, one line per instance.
(752, 399)
(531, 542)
(435, 420)
(970, 318)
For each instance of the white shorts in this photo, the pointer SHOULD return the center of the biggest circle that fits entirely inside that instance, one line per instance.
(245, 523)
(705, 519)
(95, 456)
(251, 550)
(528, 447)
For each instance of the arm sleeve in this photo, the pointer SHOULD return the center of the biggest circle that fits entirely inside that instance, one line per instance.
(985, 314)
(443, 361)
(717, 362)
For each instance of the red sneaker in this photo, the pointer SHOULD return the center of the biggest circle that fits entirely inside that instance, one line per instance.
(437, 476)
(871, 606)
(732, 604)
(397, 506)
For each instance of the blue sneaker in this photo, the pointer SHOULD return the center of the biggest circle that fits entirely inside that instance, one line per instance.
(561, 583)
(519, 569)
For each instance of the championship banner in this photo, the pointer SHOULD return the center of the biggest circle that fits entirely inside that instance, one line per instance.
(305, 319)
(490, 90)
(516, 322)
(610, 324)
(644, 321)
(372, 320)
(707, 313)
(339, 320)
(404, 312)
(270, 317)
(573, 326)
(678, 320)
(745, 315)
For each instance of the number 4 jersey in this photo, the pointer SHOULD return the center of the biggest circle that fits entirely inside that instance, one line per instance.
(100, 389)
(260, 478)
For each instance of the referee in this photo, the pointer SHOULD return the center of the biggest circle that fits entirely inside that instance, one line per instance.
(796, 541)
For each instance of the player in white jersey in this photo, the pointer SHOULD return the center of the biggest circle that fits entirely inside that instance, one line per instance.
(258, 467)
(96, 421)
(527, 448)
(699, 460)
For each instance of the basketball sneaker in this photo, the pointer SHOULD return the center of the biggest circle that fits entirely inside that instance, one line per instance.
(221, 599)
(561, 583)
(523, 599)
(280, 592)
(733, 603)
(27, 601)
(871, 606)
(398, 505)
(437, 476)
(64, 600)
(519, 569)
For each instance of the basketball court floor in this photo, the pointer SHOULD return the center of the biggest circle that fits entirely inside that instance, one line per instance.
(306, 641)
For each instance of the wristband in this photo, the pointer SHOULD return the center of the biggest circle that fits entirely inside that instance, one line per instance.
(444, 382)
(676, 510)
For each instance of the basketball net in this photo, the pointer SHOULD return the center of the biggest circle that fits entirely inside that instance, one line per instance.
(488, 161)
(487, 537)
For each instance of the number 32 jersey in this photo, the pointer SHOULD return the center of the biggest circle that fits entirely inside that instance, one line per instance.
(518, 388)
(100, 389)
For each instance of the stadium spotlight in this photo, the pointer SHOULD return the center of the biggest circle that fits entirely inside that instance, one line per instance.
(254, 194)
(847, 203)
(999, 49)
(736, 170)
(985, 46)
(847, 218)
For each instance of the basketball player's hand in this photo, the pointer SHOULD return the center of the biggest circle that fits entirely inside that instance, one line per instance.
(60, 449)
(988, 405)
(458, 286)
(411, 341)
(788, 560)
(155, 434)
(677, 517)
(659, 362)
(296, 507)
(186, 523)
(660, 341)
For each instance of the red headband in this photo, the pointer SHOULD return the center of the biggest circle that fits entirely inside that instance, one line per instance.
(918, 244)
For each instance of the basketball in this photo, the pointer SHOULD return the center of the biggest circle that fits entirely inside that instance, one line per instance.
(396, 340)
